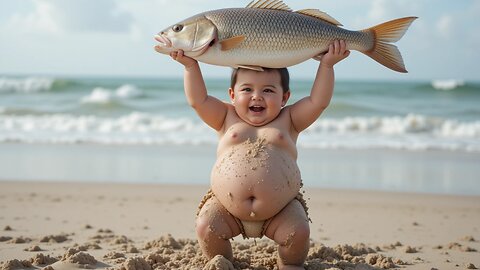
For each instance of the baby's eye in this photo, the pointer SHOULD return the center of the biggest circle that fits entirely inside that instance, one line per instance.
(247, 89)
(268, 90)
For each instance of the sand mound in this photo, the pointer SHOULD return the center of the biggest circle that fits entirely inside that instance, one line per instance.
(16, 264)
(167, 252)
(76, 256)
(219, 263)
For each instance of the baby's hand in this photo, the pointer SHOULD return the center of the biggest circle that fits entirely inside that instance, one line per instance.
(336, 53)
(182, 59)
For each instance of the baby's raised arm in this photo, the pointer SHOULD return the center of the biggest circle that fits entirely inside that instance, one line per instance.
(305, 111)
(210, 109)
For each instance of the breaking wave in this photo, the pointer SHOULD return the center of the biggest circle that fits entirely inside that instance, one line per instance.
(100, 95)
(447, 84)
(410, 132)
(26, 85)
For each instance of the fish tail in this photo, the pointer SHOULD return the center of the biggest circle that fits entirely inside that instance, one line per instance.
(383, 52)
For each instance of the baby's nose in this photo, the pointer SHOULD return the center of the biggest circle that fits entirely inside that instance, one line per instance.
(257, 97)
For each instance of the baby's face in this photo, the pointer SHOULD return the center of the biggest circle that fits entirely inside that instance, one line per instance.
(258, 96)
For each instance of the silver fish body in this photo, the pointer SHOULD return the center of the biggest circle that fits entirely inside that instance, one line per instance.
(262, 36)
(275, 38)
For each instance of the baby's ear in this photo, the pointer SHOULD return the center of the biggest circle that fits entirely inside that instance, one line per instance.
(286, 96)
(231, 93)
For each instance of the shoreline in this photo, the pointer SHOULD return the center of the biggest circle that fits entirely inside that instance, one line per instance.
(438, 231)
(430, 172)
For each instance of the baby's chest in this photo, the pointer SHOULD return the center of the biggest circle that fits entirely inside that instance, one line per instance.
(272, 135)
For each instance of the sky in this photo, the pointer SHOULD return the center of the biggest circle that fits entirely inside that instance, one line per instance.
(115, 37)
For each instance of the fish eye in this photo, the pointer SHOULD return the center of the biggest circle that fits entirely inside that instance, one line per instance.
(177, 28)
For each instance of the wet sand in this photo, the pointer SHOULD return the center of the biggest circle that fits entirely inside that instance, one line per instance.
(57, 225)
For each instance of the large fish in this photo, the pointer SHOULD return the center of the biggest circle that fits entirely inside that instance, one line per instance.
(267, 33)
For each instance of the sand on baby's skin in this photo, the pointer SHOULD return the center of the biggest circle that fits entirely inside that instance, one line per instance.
(133, 227)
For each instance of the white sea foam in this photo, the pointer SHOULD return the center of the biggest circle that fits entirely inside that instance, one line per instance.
(412, 132)
(25, 85)
(127, 91)
(100, 95)
(134, 128)
(447, 84)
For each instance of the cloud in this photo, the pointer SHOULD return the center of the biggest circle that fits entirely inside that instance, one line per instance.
(378, 10)
(444, 26)
(381, 10)
(57, 16)
(39, 20)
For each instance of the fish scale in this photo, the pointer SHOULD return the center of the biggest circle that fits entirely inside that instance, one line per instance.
(274, 28)
(258, 36)
(269, 34)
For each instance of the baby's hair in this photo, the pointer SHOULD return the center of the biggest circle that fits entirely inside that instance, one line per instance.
(284, 77)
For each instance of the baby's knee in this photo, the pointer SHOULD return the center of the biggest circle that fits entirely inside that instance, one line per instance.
(298, 237)
(202, 228)
(302, 233)
(207, 228)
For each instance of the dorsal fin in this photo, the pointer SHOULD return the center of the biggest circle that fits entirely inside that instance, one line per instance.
(319, 15)
(269, 4)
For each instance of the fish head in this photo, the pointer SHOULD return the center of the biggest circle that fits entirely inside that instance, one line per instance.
(193, 35)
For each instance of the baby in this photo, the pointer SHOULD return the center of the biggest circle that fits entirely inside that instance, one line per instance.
(255, 181)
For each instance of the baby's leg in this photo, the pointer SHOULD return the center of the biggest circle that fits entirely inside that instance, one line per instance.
(214, 227)
(290, 230)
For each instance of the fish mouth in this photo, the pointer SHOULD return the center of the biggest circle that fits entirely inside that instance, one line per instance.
(164, 41)
(164, 46)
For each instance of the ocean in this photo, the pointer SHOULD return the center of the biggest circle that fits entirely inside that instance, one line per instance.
(400, 115)
(411, 118)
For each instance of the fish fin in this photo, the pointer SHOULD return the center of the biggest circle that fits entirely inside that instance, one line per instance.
(256, 68)
(383, 52)
(319, 56)
(319, 15)
(269, 4)
(230, 43)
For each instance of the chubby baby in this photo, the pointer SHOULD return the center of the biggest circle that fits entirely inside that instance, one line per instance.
(255, 181)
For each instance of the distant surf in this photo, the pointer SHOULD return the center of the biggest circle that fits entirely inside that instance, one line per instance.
(25, 85)
(447, 84)
(411, 132)
(412, 116)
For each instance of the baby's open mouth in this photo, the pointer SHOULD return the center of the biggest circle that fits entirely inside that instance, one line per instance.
(256, 108)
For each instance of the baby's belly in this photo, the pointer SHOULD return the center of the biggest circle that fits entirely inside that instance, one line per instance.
(255, 185)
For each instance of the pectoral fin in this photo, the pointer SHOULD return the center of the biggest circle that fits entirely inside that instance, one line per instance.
(256, 68)
(230, 43)
(319, 56)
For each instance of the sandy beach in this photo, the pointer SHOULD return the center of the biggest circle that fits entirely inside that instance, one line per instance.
(56, 225)
(104, 162)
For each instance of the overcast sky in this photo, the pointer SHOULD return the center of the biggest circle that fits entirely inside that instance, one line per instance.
(115, 38)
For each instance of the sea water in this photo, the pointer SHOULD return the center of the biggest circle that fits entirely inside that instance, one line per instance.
(409, 117)
(399, 115)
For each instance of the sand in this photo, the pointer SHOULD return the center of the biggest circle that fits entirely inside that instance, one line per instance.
(58, 225)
